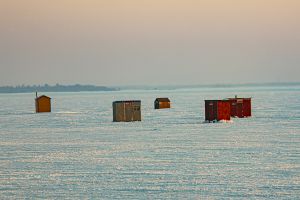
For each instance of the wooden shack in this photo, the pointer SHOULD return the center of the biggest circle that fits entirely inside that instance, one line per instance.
(216, 110)
(127, 111)
(42, 104)
(240, 107)
(161, 103)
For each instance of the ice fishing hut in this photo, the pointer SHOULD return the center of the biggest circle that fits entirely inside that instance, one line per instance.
(216, 110)
(240, 107)
(42, 104)
(127, 111)
(161, 103)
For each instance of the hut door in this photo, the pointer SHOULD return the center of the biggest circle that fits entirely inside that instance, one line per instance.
(211, 112)
(239, 109)
(128, 112)
(136, 111)
(233, 109)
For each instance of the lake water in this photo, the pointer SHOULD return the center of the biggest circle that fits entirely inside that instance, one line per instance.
(78, 152)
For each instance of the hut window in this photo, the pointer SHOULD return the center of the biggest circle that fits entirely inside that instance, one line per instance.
(136, 108)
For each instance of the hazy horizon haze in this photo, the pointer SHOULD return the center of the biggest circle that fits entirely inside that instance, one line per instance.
(143, 42)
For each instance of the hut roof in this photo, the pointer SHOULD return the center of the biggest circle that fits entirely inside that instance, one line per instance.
(217, 100)
(128, 101)
(163, 99)
(43, 96)
(239, 98)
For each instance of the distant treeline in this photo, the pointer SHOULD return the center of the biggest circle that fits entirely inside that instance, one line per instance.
(53, 88)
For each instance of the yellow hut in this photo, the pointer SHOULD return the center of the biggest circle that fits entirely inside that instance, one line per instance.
(42, 104)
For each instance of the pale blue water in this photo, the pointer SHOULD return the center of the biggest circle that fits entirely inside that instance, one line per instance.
(78, 152)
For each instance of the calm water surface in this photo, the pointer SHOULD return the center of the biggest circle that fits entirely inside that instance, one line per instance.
(78, 152)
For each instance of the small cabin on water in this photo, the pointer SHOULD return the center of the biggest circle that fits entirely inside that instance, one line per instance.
(216, 110)
(127, 111)
(240, 107)
(42, 104)
(161, 103)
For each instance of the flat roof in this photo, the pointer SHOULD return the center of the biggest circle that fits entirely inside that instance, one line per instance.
(217, 100)
(128, 101)
(240, 98)
(163, 99)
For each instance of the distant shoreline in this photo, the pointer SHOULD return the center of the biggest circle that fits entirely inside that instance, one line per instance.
(93, 88)
(54, 88)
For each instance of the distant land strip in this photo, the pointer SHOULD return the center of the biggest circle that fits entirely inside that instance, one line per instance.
(54, 88)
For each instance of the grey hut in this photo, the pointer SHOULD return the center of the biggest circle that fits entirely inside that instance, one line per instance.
(126, 111)
(161, 103)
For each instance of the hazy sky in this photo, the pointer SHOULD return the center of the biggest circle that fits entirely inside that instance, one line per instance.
(138, 42)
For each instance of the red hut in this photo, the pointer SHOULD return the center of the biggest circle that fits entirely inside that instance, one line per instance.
(216, 110)
(240, 107)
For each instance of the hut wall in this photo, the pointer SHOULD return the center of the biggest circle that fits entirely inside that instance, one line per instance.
(240, 107)
(126, 111)
(162, 105)
(247, 107)
(223, 110)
